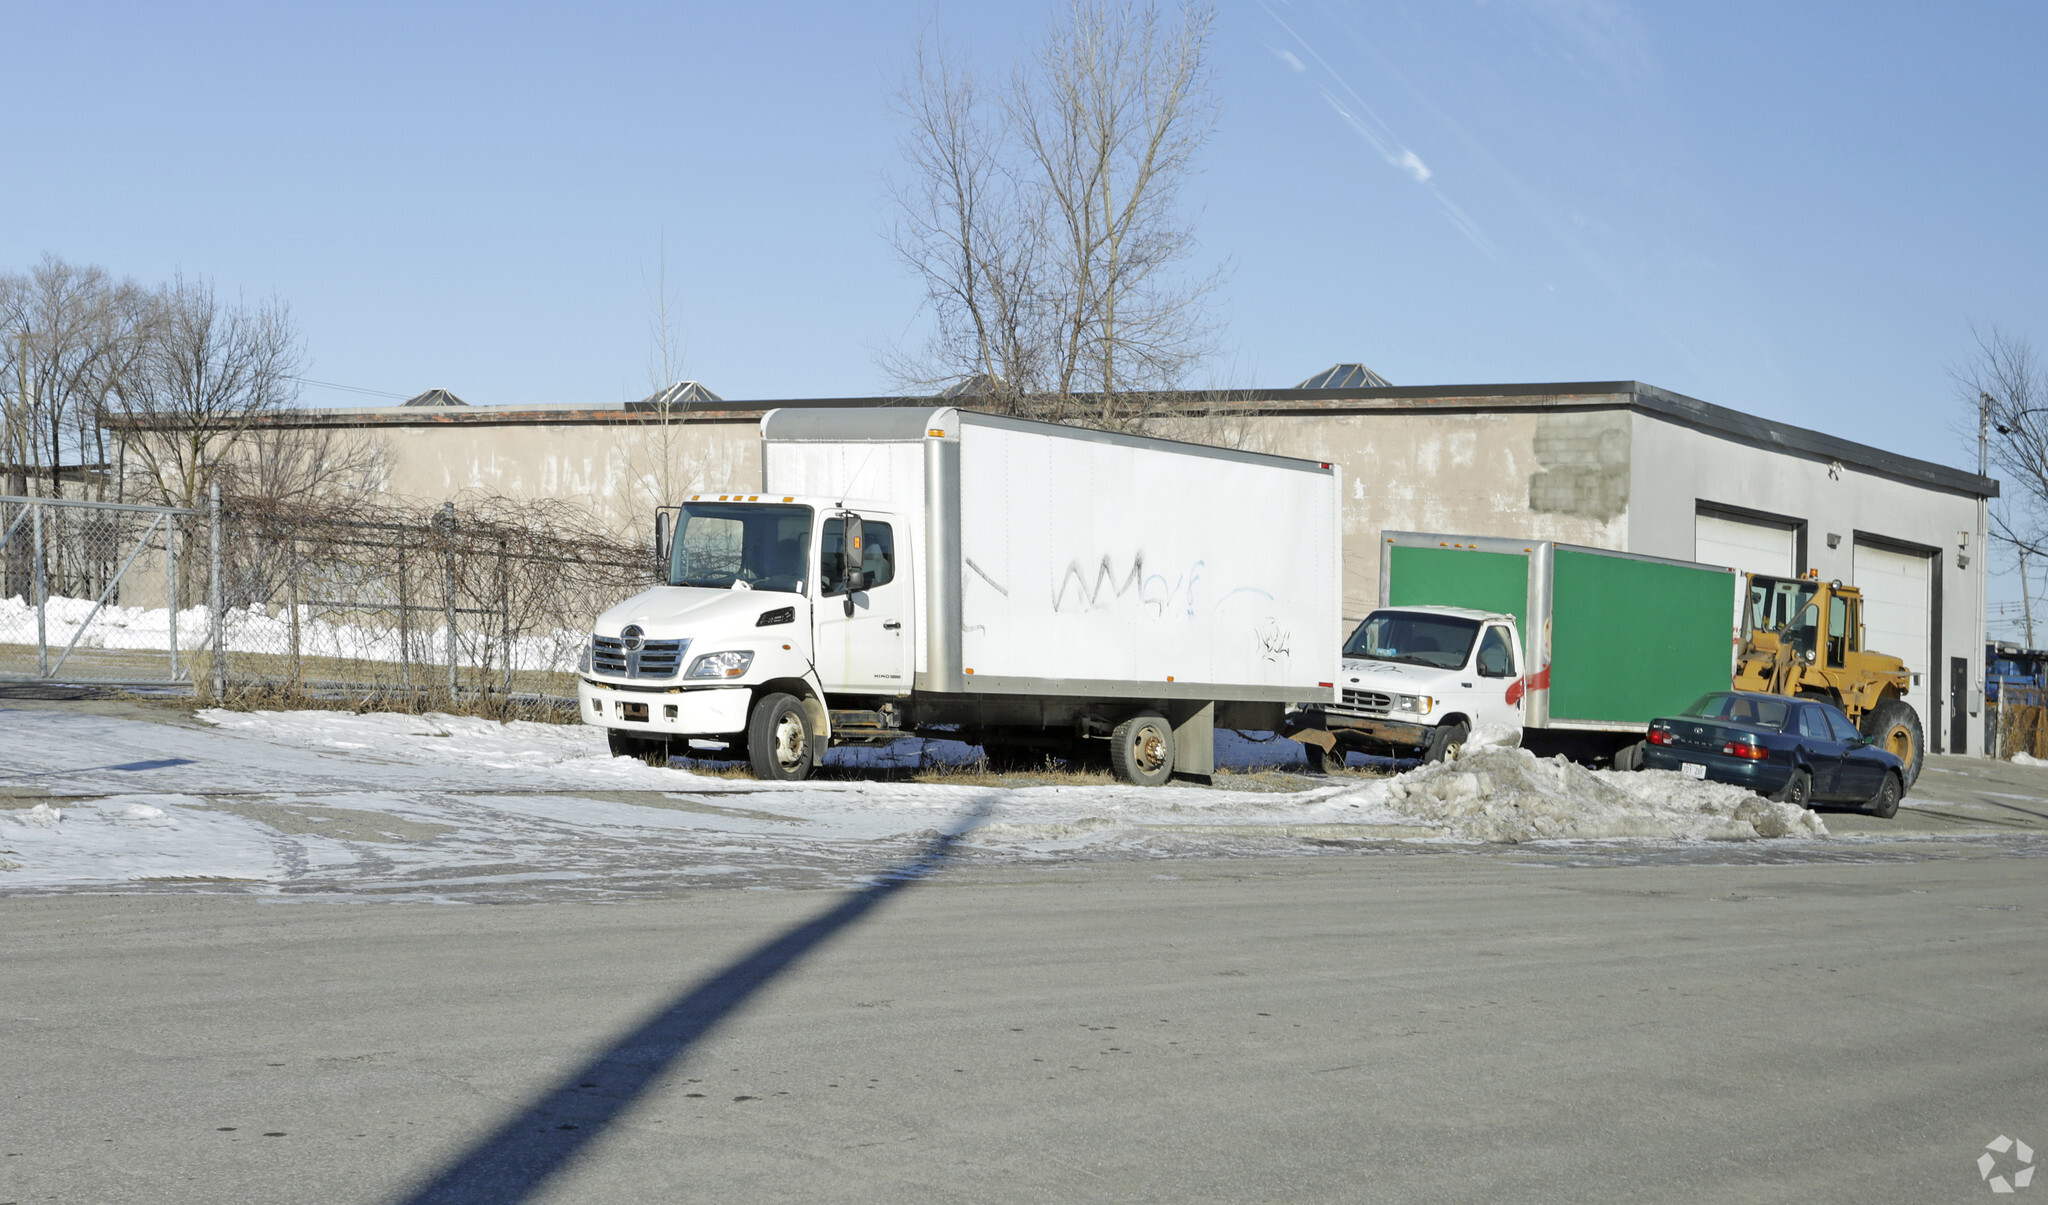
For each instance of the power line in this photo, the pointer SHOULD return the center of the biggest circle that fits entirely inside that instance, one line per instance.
(351, 388)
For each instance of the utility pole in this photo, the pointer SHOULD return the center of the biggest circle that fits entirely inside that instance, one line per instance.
(2026, 600)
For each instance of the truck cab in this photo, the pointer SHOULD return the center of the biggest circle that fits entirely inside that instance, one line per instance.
(774, 603)
(1415, 682)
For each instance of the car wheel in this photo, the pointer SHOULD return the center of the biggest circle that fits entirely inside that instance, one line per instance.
(779, 739)
(1798, 789)
(1446, 742)
(1894, 727)
(1141, 749)
(1885, 804)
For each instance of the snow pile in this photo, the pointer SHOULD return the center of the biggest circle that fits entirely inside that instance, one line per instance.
(2028, 759)
(1501, 794)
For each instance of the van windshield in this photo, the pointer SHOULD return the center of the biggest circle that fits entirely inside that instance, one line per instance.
(1440, 641)
(720, 543)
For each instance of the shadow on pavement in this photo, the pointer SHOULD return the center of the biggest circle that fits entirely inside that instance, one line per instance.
(513, 1162)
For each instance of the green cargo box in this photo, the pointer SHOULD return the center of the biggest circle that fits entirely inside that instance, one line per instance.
(1611, 640)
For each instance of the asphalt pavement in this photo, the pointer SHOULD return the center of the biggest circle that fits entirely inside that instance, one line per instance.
(1425, 1026)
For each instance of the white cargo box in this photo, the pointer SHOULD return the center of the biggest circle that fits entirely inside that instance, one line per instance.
(1059, 561)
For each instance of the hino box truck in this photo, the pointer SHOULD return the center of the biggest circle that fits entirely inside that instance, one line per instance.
(1575, 648)
(1036, 589)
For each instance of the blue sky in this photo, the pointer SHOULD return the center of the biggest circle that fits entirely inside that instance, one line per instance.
(1794, 210)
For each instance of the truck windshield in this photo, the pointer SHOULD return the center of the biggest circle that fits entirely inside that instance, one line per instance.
(720, 543)
(1442, 641)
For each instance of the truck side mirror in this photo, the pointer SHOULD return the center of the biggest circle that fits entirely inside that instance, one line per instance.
(855, 553)
(661, 541)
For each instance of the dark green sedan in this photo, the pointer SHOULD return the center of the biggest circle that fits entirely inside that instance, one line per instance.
(1793, 750)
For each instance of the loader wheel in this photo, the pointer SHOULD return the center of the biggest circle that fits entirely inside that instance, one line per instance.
(1141, 749)
(1446, 742)
(1894, 727)
(779, 739)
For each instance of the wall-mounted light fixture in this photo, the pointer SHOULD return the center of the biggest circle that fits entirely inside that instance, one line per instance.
(1834, 539)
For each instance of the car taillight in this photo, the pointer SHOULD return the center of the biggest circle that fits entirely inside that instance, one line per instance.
(1744, 749)
(1659, 737)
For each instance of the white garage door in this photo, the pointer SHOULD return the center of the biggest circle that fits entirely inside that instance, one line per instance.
(1750, 547)
(1897, 619)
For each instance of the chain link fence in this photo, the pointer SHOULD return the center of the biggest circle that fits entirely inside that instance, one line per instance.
(481, 609)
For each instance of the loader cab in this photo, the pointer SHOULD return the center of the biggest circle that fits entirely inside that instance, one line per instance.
(1818, 620)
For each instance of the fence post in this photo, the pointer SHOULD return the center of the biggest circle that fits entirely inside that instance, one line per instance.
(293, 595)
(42, 596)
(213, 596)
(445, 521)
(171, 562)
(404, 621)
(505, 614)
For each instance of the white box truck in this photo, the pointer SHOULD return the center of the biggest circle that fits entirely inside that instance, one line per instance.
(1032, 588)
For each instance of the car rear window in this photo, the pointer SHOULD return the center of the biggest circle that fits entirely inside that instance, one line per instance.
(1754, 710)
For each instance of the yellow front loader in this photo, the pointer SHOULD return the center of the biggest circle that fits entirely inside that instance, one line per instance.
(1803, 636)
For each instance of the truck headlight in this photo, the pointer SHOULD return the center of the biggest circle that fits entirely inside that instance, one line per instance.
(1416, 704)
(729, 664)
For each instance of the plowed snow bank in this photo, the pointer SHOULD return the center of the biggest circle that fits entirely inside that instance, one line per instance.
(1494, 793)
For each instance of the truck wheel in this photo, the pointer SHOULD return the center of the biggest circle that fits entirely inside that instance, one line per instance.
(1141, 749)
(1894, 727)
(1885, 804)
(625, 744)
(1445, 742)
(779, 739)
(1798, 789)
(1630, 757)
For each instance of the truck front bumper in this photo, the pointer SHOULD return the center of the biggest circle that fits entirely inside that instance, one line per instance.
(702, 711)
(1380, 730)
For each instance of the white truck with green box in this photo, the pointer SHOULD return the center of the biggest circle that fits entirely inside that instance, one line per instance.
(1574, 649)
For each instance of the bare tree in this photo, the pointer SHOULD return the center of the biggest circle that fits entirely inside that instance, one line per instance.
(1047, 224)
(973, 232)
(73, 335)
(211, 370)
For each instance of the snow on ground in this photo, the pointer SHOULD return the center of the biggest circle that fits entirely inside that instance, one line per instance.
(254, 630)
(454, 807)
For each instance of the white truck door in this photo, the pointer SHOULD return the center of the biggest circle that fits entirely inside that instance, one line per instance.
(1499, 702)
(867, 652)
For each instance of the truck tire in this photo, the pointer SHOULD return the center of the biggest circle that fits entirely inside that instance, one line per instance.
(1445, 742)
(1894, 727)
(779, 739)
(1141, 749)
(625, 744)
(1630, 757)
(1885, 804)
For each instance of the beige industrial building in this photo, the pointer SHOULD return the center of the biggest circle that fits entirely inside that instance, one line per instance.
(1614, 464)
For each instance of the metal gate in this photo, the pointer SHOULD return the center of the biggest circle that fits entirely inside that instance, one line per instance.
(103, 592)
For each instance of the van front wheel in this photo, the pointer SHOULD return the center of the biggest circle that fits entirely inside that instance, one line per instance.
(779, 739)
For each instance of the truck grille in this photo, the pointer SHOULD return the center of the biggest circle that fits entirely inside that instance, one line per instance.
(653, 659)
(1368, 700)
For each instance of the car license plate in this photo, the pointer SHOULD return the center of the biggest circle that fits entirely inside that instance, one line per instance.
(1694, 769)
